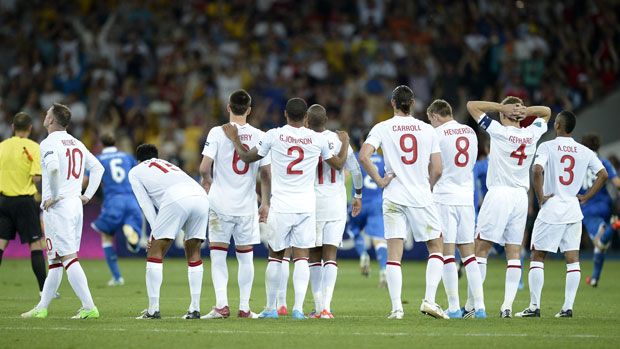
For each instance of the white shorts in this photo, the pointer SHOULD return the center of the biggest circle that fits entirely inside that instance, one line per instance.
(550, 237)
(291, 230)
(457, 223)
(503, 216)
(190, 214)
(243, 229)
(329, 232)
(401, 221)
(63, 227)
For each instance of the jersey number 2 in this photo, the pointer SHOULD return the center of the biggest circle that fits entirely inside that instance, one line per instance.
(568, 169)
(300, 157)
(72, 155)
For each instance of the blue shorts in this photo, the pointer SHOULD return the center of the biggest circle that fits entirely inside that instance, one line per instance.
(594, 223)
(370, 220)
(116, 212)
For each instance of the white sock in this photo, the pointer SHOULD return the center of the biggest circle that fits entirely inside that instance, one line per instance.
(194, 276)
(513, 276)
(154, 277)
(451, 283)
(79, 283)
(284, 281)
(482, 265)
(51, 285)
(245, 278)
(394, 278)
(434, 268)
(301, 278)
(536, 280)
(330, 273)
(272, 281)
(474, 283)
(316, 284)
(219, 275)
(573, 275)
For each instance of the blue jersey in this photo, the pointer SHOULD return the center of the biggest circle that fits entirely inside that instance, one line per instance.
(117, 165)
(601, 203)
(371, 191)
(480, 180)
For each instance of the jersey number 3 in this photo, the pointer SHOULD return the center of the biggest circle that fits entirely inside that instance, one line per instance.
(568, 169)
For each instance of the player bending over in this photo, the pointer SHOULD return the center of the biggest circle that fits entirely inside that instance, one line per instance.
(599, 211)
(559, 169)
(171, 200)
(295, 152)
(413, 162)
(64, 160)
(454, 198)
(504, 210)
(120, 209)
(231, 185)
(331, 215)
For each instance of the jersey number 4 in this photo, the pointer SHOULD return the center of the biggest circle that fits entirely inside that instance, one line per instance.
(73, 154)
(519, 154)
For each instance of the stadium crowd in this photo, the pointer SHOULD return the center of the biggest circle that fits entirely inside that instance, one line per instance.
(162, 74)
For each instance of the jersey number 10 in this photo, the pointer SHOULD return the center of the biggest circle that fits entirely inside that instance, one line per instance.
(72, 155)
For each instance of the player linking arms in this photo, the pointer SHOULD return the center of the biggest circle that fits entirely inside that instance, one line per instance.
(559, 169)
(295, 152)
(504, 210)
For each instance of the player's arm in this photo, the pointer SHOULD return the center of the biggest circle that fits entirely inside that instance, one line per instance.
(265, 193)
(435, 168)
(539, 181)
(479, 109)
(52, 168)
(358, 182)
(143, 198)
(540, 111)
(247, 156)
(601, 179)
(337, 161)
(206, 173)
(370, 168)
(96, 170)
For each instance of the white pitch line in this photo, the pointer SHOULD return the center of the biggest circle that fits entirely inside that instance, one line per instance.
(386, 334)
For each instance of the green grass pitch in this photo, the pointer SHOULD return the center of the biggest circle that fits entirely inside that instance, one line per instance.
(359, 306)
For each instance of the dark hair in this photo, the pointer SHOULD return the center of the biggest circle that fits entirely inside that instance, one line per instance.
(512, 100)
(440, 107)
(239, 101)
(146, 152)
(22, 121)
(62, 114)
(317, 116)
(403, 98)
(108, 140)
(296, 109)
(592, 141)
(567, 120)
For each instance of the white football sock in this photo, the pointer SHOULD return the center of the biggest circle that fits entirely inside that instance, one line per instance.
(482, 265)
(245, 278)
(316, 284)
(301, 278)
(434, 270)
(394, 278)
(451, 283)
(51, 285)
(194, 276)
(573, 275)
(154, 277)
(474, 283)
(219, 275)
(513, 276)
(330, 273)
(536, 280)
(284, 281)
(272, 281)
(79, 283)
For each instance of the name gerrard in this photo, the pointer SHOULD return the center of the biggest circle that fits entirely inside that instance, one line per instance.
(519, 140)
(405, 128)
(289, 139)
(458, 131)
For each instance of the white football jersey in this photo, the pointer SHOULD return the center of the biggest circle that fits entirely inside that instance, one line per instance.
(295, 153)
(72, 157)
(512, 152)
(331, 192)
(566, 164)
(157, 183)
(233, 191)
(407, 145)
(459, 149)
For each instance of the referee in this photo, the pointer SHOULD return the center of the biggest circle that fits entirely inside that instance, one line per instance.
(20, 176)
